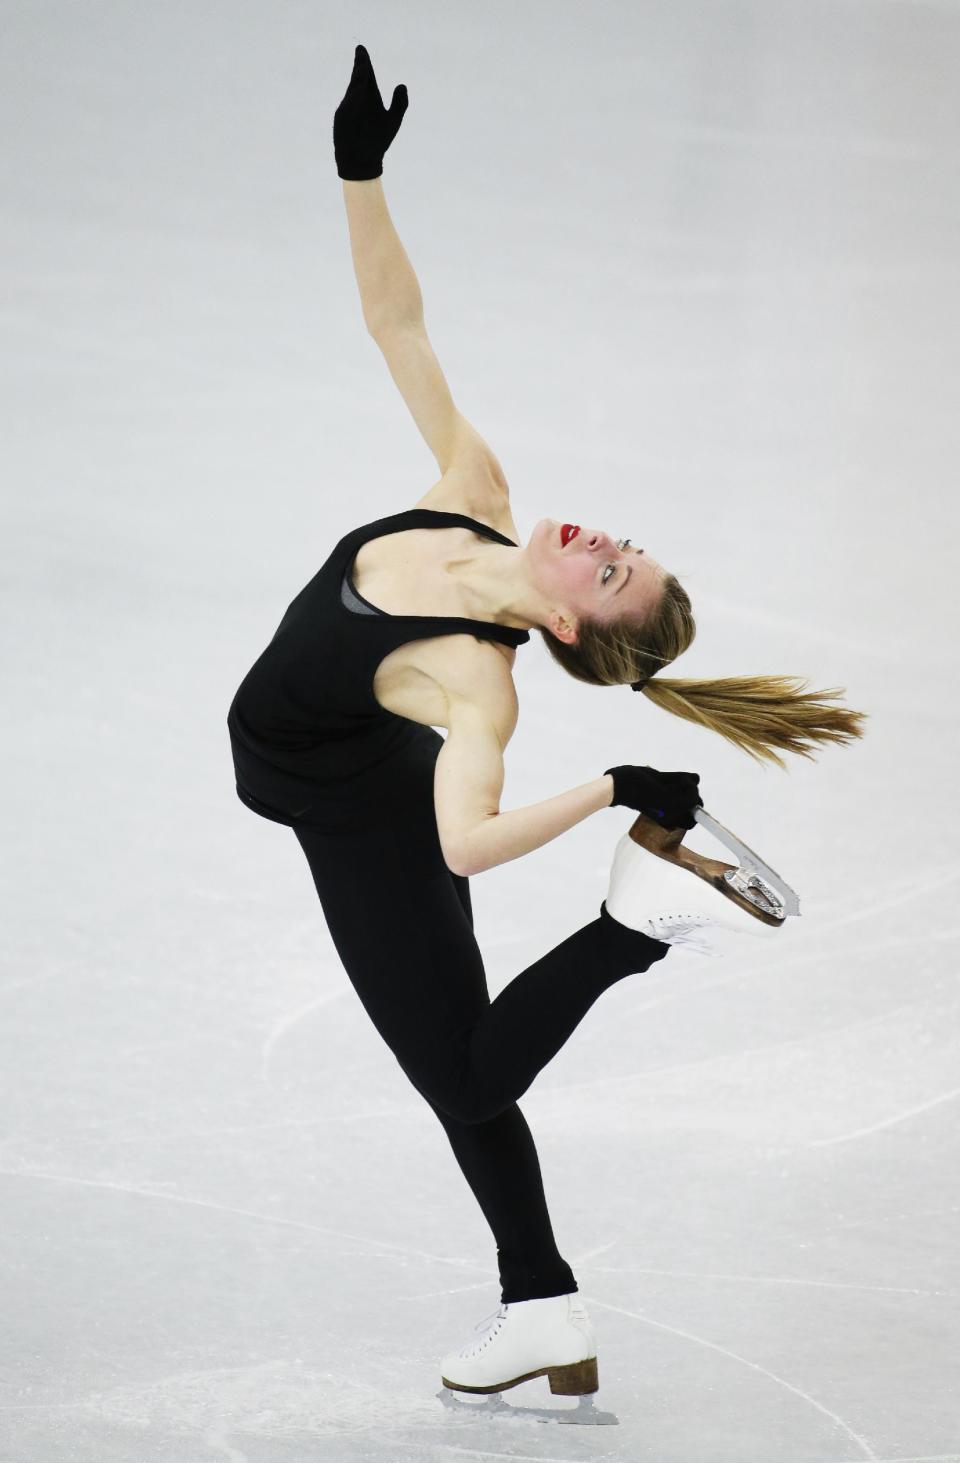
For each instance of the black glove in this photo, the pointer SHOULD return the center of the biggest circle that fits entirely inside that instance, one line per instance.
(363, 129)
(667, 797)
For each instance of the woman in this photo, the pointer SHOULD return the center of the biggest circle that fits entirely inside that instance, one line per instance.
(412, 623)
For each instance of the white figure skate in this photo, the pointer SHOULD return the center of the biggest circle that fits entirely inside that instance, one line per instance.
(651, 889)
(552, 1337)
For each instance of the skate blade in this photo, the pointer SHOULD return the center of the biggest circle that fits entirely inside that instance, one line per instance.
(753, 885)
(754, 880)
(585, 1414)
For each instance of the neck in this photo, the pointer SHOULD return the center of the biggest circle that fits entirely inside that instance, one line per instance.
(495, 585)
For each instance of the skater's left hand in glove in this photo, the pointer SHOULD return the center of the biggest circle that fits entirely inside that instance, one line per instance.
(363, 128)
(669, 798)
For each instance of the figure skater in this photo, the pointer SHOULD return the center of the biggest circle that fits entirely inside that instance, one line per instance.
(413, 623)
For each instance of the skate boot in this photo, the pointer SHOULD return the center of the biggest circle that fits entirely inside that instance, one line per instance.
(684, 898)
(552, 1337)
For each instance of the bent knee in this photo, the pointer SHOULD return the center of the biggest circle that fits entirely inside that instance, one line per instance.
(470, 1108)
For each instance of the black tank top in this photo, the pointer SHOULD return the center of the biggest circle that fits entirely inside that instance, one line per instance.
(311, 744)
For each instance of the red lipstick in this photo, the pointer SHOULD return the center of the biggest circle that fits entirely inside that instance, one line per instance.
(567, 532)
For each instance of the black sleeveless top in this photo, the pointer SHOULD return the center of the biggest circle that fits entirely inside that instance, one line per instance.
(311, 744)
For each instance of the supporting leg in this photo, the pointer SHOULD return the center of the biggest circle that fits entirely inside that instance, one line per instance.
(499, 1161)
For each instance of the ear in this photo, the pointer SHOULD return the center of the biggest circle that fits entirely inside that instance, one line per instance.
(563, 628)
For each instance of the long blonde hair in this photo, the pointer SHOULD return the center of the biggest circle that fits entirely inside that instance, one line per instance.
(756, 713)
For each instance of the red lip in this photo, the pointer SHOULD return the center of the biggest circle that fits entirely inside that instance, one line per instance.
(567, 532)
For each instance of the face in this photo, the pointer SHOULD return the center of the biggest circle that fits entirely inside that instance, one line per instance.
(590, 577)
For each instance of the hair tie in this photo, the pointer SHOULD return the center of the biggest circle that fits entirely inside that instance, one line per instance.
(639, 685)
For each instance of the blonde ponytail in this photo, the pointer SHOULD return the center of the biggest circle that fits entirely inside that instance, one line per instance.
(759, 713)
(756, 713)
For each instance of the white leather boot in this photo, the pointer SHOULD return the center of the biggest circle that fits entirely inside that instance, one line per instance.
(669, 902)
(526, 1339)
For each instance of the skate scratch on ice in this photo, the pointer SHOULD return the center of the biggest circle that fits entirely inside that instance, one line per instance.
(372, 1244)
(901, 1117)
(754, 1366)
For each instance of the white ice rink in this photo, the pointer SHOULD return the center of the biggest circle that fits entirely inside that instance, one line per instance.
(692, 268)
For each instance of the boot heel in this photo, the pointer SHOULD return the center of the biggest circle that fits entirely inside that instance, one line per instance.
(575, 1380)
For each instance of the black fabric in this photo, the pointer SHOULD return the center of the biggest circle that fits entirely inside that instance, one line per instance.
(311, 745)
(666, 797)
(313, 750)
(401, 923)
(363, 128)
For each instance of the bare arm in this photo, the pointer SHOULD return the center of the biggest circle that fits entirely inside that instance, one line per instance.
(389, 289)
(501, 837)
(393, 313)
(481, 716)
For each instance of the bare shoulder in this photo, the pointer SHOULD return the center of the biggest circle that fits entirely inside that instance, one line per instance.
(477, 675)
(475, 498)
(474, 484)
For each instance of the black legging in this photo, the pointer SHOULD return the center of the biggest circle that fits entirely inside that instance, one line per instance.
(403, 928)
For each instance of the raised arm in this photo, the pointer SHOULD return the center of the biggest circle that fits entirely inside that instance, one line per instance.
(393, 313)
(363, 129)
(389, 289)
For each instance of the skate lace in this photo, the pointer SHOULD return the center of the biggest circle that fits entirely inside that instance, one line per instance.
(491, 1325)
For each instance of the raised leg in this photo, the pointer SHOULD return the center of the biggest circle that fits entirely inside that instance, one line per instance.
(406, 942)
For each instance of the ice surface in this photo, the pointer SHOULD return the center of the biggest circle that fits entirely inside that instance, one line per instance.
(691, 268)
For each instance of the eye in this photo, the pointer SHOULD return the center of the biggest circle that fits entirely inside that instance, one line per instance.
(622, 543)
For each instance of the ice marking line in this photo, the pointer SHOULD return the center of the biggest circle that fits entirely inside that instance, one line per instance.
(286, 1022)
(44, 1406)
(886, 1122)
(762, 1279)
(754, 1366)
(583, 1256)
(927, 1458)
(398, 1112)
(927, 884)
(815, 1037)
(456, 1290)
(278, 1220)
(765, 966)
(763, 963)
(520, 1457)
(807, 1234)
(578, 1260)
